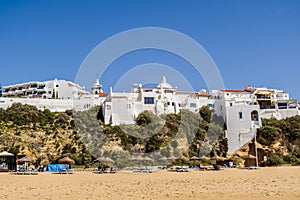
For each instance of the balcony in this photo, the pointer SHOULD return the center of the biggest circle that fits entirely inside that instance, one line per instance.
(266, 107)
(263, 97)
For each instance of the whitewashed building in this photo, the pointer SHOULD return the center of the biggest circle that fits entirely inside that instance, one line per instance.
(52, 89)
(123, 108)
(55, 95)
(241, 110)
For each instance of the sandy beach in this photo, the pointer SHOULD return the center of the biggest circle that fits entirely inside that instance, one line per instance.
(265, 183)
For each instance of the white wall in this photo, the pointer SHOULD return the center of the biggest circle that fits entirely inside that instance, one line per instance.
(240, 131)
(54, 105)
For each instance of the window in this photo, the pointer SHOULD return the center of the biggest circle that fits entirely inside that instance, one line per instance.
(230, 104)
(149, 100)
(108, 107)
(254, 115)
(168, 103)
(193, 105)
(240, 115)
(173, 103)
(148, 90)
(210, 105)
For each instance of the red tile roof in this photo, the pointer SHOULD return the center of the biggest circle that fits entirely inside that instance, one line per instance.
(237, 91)
(102, 94)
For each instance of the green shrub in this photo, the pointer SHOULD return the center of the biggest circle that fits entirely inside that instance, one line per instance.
(274, 160)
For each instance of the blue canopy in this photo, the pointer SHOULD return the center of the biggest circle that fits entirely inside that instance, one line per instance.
(56, 167)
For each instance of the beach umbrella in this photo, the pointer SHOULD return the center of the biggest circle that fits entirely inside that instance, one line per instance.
(163, 159)
(25, 159)
(6, 154)
(217, 158)
(182, 159)
(105, 159)
(194, 158)
(172, 158)
(66, 160)
(204, 158)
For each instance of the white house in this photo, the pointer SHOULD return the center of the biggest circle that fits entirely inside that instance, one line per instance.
(241, 110)
(55, 95)
(123, 108)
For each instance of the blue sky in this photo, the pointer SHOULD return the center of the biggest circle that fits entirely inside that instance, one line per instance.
(252, 42)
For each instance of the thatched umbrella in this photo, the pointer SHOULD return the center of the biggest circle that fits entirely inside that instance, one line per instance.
(204, 158)
(6, 154)
(163, 159)
(172, 158)
(105, 159)
(25, 160)
(194, 158)
(182, 159)
(217, 158)
(66, 160)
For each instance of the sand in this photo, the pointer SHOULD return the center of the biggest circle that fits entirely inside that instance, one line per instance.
(265, 183)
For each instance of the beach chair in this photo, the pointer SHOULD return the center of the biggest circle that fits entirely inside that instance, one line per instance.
(216, 167)
(182, 169)
(106, 170)
(251, 167)
(113, 170)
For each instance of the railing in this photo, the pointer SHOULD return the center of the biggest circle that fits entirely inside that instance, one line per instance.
(267, 107)
(263, 97)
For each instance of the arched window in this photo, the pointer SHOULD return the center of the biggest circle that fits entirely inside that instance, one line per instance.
(254, 115)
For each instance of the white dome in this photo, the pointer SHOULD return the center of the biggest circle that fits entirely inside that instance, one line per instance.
(164, 84)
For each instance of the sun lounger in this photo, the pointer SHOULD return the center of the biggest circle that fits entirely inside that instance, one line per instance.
(217, 167)
(66, 171)
(250, 167)
(143, 170)
(26, 172)
(182, 169)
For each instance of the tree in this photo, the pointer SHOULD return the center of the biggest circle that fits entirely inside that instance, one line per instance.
(274, 160)
(268, 134)
(144, 118)
(205, 113)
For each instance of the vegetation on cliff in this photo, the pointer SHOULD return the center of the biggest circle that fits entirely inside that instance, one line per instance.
(47, 136)
(280, 140)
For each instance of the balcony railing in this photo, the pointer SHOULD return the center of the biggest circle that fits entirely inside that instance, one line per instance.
(263, 97)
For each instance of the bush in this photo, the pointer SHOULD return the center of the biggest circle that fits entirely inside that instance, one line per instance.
(291, 159)
(274, 160)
